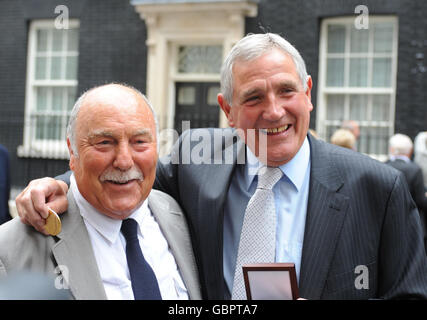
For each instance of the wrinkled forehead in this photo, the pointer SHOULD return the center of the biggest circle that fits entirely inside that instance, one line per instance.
(273, 51)
(274, 63)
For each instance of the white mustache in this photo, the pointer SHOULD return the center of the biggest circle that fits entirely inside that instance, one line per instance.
(118, 176)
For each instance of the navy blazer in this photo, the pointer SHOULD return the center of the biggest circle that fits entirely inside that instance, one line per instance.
(4, 185)
(360, 217)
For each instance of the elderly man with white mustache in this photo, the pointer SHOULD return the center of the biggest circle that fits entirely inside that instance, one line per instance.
(120, 239)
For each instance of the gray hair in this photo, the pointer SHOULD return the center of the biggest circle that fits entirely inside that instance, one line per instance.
(253, 46)
(71, 128)
(400, 144)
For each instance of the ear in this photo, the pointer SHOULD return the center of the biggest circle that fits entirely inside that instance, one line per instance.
(226, 108)
(309, 87)
(308, 91)
(72, 161)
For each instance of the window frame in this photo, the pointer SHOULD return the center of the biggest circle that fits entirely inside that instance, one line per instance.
(32, 147)
(323, 90)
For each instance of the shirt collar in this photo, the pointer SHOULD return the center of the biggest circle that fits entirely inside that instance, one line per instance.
(109, 228)
(294, 170)
(400, 157)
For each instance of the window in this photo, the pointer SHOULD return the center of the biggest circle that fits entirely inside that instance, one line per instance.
(51, 88)
(357, 80)
(200, 59)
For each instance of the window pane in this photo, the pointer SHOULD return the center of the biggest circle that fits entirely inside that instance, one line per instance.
(42, 40)
(381, 72)
(57, 100)
(377, 140)
(73, 40)
(200, 59)
(41, 68)
(383, 37)
(336, 38)
(187, 95)
(335, 72)
(71, 97)
(40, 125)
(359, 41)
(212, 96)
(55, 71)
(57, 40)
(381, 107)
(42, 97)
(48, 127)
(335, 107)
(52, 128)
(71, 69)
(358, 72)
(358, 107)
(363, 143)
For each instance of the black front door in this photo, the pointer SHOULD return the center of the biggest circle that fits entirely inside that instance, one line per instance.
(196, 102)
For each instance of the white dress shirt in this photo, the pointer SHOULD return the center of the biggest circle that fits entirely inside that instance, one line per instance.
(109, 247)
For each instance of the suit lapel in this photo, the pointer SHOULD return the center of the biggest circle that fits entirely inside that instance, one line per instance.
(325, 216)
(212, 204)
(74, 254)
(173, 226)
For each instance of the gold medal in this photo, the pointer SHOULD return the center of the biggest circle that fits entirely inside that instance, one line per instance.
(53, 223)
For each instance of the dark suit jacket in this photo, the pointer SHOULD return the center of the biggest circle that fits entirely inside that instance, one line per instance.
(4, 185)
(359, 213)
(414, 178)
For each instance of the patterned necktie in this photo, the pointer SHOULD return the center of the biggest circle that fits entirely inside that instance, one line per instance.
(258, 237)
(144, 282)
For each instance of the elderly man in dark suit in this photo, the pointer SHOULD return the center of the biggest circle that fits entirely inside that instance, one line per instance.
(266, 191)
(400, 152)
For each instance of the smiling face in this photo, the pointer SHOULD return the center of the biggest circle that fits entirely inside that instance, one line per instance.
(116, 144)
(268, 96)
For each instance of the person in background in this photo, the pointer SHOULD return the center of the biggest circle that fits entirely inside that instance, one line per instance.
(420, 154)
(352, 126)
(313, 133)
(343, 138)
(400, 152)
(4, 185)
